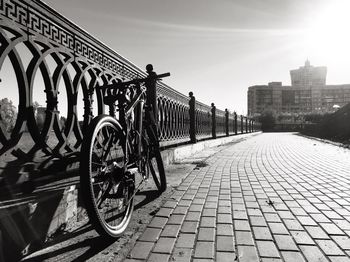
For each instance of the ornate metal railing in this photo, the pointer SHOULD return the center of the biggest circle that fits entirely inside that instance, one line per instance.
(54, 60)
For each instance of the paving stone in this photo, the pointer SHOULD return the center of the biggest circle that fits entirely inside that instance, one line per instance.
(244, 238)
(239, 214)
(224, 219)
(225, 243)
(196, 208)
(320, 218)
(342, 241)
(285, 242)
(210, 205)
(164, 245)
(181, 255)
(292, 256)
(224, 230)
(267, 249)
(331, 215)
(170, 204)
(224, 203)
(150, 234)
(176, 219)
(306, 221)
(298, 211)
(208, 222)
(293, 224)
(192, 216)
(209, 212)
(204, 250)
(180, 210)
(170, 231)
(257, 221)
(164, 212)
(317, 233)
(188, 196)
(206, 234)
(185, 240)
(141, 250)
(189, 227)
(158, 257)
(329, 247)
(285, 214)
(158, 222)
(247, 254)
(262, 233)
(199, 201)
(313, 254)
(224, 210)
(225, 257)
(185, 203)
(278, 228)
(241, 225)
(254, 212)
(302, 238)
(339, 259)
(331, 229)
(271, 217)
(252, 205)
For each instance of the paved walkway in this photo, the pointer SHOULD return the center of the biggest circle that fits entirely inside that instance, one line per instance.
(273, 197)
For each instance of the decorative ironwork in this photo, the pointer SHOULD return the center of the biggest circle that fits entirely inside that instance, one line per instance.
(220, 123)
(40, 43)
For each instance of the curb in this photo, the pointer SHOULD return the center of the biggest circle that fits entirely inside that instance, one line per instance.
(176, 154)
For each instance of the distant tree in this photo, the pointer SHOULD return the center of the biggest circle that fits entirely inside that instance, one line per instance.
(63, 121)
(315, 118)
(267, 120)
(8, 114)
(35, 106)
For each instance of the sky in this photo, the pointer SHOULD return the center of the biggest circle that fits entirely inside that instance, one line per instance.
(217, 49)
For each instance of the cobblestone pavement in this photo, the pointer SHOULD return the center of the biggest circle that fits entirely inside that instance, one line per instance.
(273, 197)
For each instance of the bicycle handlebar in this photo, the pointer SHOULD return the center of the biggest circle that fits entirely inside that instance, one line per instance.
(123, 85)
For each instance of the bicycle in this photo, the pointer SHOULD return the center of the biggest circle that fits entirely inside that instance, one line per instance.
(115, 150)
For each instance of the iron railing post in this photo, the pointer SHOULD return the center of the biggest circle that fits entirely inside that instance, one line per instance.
(192, 112)
(213, 120)
(151, 89)
(227, 122)
(246, 124)
(235, 123)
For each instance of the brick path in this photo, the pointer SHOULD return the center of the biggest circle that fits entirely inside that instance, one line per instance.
(273, 197)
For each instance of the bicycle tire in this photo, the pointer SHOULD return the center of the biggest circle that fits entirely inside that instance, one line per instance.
(102, 215)
(155, 161)
(156, 166)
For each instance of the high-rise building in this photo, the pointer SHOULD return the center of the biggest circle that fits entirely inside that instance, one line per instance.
(308, 75)
(307, 94)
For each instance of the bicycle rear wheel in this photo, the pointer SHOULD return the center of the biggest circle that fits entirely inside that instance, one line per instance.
(107, 189)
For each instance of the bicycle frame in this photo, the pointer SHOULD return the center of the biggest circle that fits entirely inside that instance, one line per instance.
(131, 120)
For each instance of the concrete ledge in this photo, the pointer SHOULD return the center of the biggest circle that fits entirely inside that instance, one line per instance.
(175, 154)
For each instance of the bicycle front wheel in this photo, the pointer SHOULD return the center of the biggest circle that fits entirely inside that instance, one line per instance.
(107, 189)
(156, 167)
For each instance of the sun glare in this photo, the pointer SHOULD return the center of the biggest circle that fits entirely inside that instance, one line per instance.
(328, 35)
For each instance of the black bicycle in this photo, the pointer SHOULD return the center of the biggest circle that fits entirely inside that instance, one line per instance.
(118, 153)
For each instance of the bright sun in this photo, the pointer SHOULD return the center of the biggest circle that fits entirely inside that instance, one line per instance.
(328, 35)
